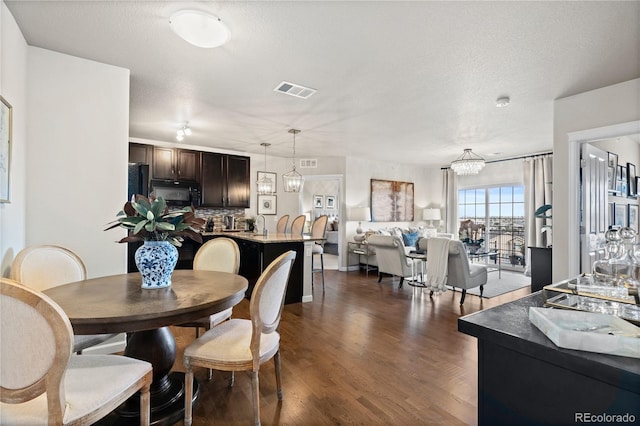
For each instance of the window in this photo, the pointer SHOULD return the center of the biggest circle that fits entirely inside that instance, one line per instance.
(499, 212)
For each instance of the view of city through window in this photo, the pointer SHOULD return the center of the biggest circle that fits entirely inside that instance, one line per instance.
(492, 218)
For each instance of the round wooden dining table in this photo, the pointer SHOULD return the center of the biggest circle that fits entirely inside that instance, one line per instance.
(118, 304)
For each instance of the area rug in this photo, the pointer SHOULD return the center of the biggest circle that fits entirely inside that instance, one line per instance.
(495, 286)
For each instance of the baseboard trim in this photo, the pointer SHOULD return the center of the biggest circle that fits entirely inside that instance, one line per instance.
(306, 299)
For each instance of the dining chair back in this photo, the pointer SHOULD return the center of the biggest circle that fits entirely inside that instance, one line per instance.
(281, 226)
(297, 226)
(45, 266)
(42, 383)
(241, 344)
(318, 230)
(219, 254)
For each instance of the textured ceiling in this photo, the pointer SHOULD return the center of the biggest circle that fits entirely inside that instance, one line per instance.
(412, 82)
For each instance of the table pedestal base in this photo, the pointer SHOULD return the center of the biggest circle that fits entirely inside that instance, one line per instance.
(167, 390)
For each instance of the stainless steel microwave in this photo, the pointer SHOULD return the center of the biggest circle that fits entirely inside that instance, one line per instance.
(177, 193)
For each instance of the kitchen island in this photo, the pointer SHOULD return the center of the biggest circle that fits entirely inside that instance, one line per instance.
(523, 378)
(257, 251)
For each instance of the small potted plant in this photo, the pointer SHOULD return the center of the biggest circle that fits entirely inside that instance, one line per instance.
(149, 220)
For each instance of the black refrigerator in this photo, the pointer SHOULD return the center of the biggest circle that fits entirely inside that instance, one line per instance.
(138, 182)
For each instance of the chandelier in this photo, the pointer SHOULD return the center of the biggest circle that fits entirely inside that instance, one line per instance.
(265, 184)
(468, 163)
(293, 181)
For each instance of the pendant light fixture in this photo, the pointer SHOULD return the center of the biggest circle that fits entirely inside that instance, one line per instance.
(293, 181)
(468, 163)
(265, 185)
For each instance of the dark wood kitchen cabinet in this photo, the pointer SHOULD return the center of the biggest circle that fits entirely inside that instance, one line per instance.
(176, 163)
(140, 153)
(225, 180)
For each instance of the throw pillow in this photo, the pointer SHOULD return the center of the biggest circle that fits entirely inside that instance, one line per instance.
(410, 239)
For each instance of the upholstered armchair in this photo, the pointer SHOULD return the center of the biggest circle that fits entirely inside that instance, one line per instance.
(461, 273)
(391, 256)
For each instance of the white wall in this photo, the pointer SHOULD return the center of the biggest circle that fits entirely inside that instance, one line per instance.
(619, 103)
(13, 87)
(427, 190)
(77, 154)
(498, 173)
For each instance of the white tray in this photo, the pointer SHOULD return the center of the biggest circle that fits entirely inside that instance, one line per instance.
(587, 331)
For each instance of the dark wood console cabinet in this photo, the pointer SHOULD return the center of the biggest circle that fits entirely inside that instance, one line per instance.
(225, 180)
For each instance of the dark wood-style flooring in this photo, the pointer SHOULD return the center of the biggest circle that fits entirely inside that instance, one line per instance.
(361, 353)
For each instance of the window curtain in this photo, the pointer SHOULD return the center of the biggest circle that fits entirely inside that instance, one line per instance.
(450, 197)
(538, 180)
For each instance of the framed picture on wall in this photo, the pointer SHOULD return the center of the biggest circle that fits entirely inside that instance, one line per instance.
(318, 201)
(330, 202)
(267, 204)
(620, 216)
(632, 217)
(612, 170)
(612, 214)
(621, 185)
(631, 180)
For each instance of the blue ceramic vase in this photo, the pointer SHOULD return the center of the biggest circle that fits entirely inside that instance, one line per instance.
(155, 261)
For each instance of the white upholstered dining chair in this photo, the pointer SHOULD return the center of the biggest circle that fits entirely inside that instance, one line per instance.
(241, 344)
(44, 266)
(219, 254)
(281, 226)
(297, 226)
(41, 382)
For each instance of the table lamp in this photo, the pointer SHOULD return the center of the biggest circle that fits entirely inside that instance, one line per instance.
(431, 215)
(360, 214)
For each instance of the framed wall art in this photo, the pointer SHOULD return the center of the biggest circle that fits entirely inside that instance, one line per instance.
(612, 214)
(391, 201)
(318, 201)
(612, 171)
(631, 180)
(620, 216)
(272, 176)
(6, 118)
(267, 204)
(330, 202)
(621, 180)
(632, 217)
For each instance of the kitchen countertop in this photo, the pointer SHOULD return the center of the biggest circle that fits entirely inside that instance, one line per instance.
(270, 238)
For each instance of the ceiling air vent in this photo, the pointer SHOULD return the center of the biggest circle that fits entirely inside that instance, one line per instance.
(295, 90)
(308, 163)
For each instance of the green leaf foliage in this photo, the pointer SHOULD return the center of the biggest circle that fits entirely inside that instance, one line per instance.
(149, 219)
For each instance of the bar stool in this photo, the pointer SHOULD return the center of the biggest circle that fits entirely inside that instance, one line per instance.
(318, 230)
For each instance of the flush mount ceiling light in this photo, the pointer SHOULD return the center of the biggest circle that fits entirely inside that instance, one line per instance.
(265, 184)
(293, 181)
(468, 163)
(199, 28)
(182, 132)
(503, 101)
